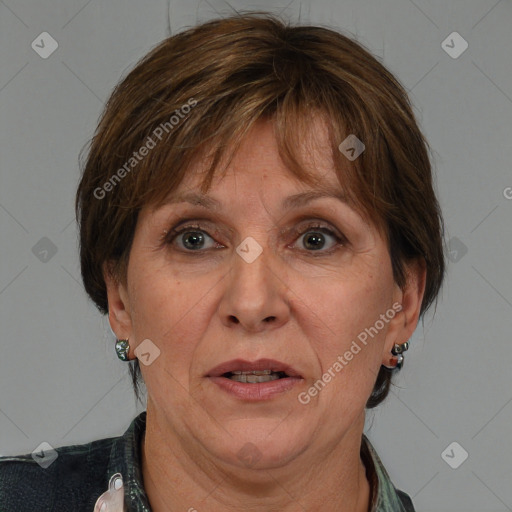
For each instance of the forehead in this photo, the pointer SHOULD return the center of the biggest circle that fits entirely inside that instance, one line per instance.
(257, 163)
(255, 171)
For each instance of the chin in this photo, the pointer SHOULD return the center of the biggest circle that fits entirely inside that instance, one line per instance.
(262, 443)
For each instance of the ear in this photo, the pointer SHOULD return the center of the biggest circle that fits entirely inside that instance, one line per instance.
(119, 315)
(410, 297)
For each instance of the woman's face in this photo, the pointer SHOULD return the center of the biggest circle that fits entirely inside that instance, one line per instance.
(265, 274)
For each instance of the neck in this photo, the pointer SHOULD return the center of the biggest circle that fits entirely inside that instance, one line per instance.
(177, 478)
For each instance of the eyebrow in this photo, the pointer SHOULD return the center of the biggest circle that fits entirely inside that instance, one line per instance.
(294, 201)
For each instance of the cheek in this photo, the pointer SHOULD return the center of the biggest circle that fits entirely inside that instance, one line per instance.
(343, 320)
(171, 311)
(344, 305)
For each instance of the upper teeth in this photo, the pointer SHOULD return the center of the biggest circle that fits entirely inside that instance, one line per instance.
(253, 378)
(254, 372)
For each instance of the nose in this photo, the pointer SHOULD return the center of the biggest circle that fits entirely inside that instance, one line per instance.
(256, 294)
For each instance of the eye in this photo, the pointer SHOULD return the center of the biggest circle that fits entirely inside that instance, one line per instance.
(190, 237)
(194, 237)
(313, 238)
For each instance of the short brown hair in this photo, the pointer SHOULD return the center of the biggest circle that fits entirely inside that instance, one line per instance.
(232, 72)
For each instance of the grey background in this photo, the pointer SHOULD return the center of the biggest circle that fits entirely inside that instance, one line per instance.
(60, 380)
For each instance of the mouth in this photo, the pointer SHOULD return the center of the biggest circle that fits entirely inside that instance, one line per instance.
(254, 381)
(253, 377)
(262, 370)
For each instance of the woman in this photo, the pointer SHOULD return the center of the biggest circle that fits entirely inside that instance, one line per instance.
(257, 218)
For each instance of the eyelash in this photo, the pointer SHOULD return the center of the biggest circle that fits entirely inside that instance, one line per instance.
(170, 236)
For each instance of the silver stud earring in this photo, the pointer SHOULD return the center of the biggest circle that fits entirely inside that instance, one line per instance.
(123, 349)
(398, 358)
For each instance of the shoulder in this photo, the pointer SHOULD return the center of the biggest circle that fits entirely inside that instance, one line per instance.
(66, 478)
(406, 501)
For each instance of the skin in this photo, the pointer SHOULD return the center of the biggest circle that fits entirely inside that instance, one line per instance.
(203, 310)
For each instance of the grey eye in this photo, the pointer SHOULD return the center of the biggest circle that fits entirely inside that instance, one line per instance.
(193, 240)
